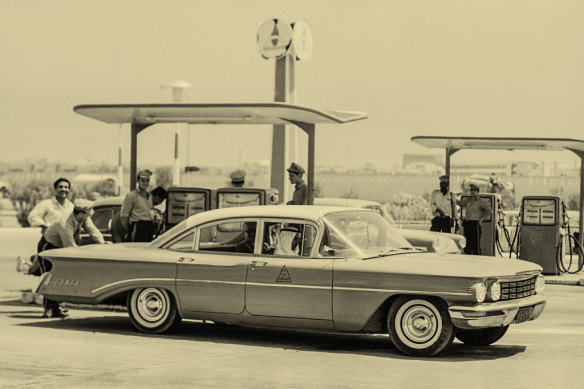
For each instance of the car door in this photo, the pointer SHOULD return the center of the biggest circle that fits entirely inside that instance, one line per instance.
(102, 218)
(288, 281)
(211, 274)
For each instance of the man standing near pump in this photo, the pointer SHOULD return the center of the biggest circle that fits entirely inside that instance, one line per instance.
(443, 205)
(476, 211)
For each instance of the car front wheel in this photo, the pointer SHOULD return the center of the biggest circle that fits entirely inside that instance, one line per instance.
(420, 326)
(152, 310)
(481, 337)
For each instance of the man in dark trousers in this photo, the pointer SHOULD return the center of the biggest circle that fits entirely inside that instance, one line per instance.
(137, 214)
(443, 206)
(475, 211)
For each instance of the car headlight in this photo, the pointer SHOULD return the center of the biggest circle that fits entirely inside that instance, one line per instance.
(436, 244)
(480, 291)
(462, 243)
(539, 284)
(495, 291)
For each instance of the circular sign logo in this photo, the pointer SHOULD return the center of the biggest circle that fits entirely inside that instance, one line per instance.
(302, 39)
(273, 38)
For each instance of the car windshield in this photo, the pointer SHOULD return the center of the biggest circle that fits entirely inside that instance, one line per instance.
(164, 237)
(362, 234)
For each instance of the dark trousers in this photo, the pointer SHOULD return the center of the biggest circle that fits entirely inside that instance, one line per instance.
(441, 224)
(142, 231)
(48, 304)
(472, 233)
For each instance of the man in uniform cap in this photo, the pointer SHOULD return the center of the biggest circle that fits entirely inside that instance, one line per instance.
(443, 207)
(476, 211)
(237, 178)
(300, 196)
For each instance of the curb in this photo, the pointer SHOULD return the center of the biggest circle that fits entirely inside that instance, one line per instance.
(566, 282)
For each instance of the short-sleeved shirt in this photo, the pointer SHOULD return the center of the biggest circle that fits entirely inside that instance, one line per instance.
(475, 208)
(66, 232)
(49, 212)
(137, 206)
(442, 201)
(300, 196)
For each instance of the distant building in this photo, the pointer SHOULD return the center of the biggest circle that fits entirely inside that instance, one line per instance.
(412, 160)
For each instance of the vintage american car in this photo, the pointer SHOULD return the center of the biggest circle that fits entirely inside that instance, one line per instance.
(106, 209)
(319, 267)
(430, 241)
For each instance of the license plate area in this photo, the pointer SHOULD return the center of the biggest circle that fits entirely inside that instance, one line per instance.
(523, 314)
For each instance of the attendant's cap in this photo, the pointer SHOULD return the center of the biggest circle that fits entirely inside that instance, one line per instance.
(473, 186)
(237, 176)
(444, 178)
(144, 173)
(295, 168)
(82, 205)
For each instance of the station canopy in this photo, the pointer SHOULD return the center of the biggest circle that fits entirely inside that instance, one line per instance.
(230, 113)
(495, 143)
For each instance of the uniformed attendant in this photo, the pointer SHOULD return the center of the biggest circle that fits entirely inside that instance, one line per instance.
(442, 204)
(300, 196)
(137, 214)
(237, 178)
(476, 211)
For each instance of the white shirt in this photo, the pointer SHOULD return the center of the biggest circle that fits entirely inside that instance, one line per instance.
(442, 202)
(49, 212)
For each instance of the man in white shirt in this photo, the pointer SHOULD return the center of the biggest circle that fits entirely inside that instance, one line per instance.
(53, 210)
(442, 204)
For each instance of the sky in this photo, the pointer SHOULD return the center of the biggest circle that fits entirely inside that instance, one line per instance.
(443, 68)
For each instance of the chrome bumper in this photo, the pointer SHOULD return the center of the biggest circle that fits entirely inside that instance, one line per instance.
(495, 314)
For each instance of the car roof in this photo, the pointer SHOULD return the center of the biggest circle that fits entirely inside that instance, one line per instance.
(108, 201)
(355, 203)
(310, 212)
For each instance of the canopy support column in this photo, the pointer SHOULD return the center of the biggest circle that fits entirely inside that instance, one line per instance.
(309, 129)
(449, 152)
(136, 129)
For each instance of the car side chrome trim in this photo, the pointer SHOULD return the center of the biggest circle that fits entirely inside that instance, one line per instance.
(282, 285)
(402, 291)
(130, 282)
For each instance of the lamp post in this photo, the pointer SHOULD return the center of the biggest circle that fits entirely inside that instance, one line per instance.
(178, 96)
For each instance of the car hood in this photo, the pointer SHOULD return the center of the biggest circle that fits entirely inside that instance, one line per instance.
(457, 265)
(427, 235)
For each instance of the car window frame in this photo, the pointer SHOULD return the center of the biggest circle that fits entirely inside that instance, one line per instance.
(315, 244)
(178, 237)
(226, 221)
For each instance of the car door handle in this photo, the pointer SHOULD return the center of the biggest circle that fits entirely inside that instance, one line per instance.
(257, 263)
(186, 259)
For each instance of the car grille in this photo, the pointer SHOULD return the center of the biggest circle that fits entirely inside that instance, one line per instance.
(518, 289)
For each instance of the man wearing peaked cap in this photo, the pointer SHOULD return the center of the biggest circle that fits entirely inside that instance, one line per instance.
(300, 196)
(443, 206)
(476, 210)
(237, 178)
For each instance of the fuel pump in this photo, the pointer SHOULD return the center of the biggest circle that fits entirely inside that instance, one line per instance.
(540, 235)
(239, 197)
(489, 226)
(184, 202)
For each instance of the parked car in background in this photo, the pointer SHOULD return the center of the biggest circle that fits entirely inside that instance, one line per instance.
(311, 267)
(427, 240)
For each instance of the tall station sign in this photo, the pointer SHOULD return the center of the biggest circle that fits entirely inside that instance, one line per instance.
(285, 43)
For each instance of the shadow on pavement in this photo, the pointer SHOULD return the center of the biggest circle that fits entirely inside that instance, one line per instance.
(300, 340)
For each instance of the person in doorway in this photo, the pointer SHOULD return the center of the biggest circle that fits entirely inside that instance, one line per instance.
(137, 215)
(300, 196)
(442, 204)
(65, 233)
(237, 178)
(476, 210)
(54, 209)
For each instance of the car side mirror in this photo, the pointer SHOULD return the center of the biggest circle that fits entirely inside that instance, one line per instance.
(328, 250)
